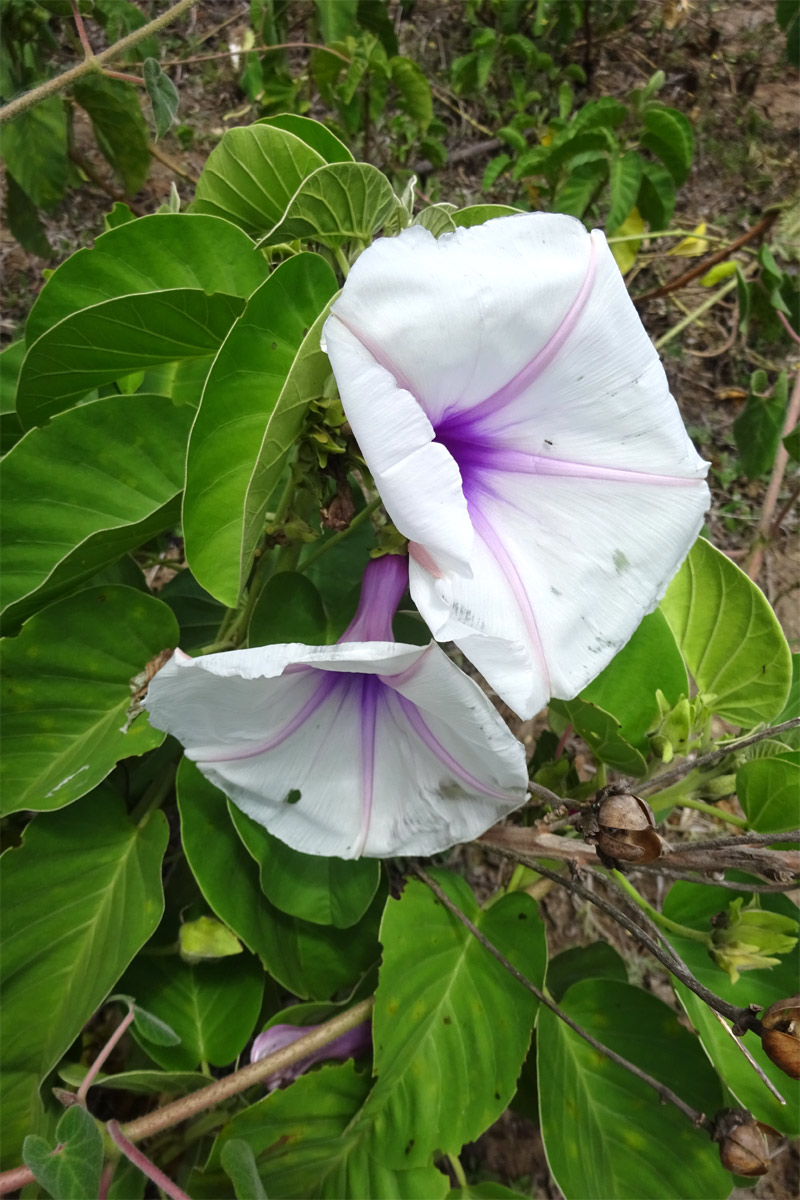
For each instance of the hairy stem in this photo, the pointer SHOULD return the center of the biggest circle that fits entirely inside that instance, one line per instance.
(222, 1089)
(92, 62)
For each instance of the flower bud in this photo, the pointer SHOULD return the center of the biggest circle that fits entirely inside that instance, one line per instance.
(781, 1036)
(745, 939)
(353, 1044)
(622, 827)
(743, 1148)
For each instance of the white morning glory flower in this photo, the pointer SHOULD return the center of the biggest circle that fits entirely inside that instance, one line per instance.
(519, 427)
(368, 747)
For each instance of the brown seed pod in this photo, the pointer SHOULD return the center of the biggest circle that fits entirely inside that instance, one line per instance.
(781, 1036)
(743, 1147)
(623, 828)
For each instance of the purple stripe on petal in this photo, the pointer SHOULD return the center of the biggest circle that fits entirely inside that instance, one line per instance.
(371, 688)
(461, 421)
(328, 682)
(425, 734)
(521, 463)
(486, 530)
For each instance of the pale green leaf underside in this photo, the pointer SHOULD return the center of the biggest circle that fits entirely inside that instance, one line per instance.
(340, 202)
(729, 637)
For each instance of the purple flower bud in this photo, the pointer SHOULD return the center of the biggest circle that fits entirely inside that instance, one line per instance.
(352, 1044)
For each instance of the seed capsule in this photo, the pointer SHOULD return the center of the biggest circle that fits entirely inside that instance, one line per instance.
(743, 1148)
(781, 1036)
(622, 827)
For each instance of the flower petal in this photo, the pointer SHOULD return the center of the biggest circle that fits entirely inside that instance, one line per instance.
(453, 319)
(383, 749)
(419, 482)
(563, 573)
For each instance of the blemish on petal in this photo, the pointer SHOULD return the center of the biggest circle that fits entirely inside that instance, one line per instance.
(424, 559)
(620, 562)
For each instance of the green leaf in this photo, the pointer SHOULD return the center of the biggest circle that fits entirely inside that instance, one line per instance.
(758, 429)
(668, 134)
(118, 18)
(306, 959)
(792, 440)
(120, 214)
(313, 133)
(415, 91)
(23, 220)
(337, 19)
(308, 1145)
(477, 214)
(606, 113)
(596, 961)
(96, 482)
(118, 124)
(437, 1052)
(163, 96)
(71, 1170)
(625, 177)
(35, 152)
(695, 907)
(251, 176)
(239, 1164)
(152, 254)
(627, 686)
(487, 1190)
(253, 405)
(602, 732)
(67, 689)
(324, 891)
(656, 199)
(127, 1182)
(198, 613)
(767, 789)
(289, 609)
(212, 1006)
(10, 364)
(80, 896)
(339, 202)
(605, 1132)
(729, 637)
(142, 1082)
(97, 345)
(581, 184)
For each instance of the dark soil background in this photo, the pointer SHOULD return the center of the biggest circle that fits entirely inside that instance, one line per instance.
(726, 70)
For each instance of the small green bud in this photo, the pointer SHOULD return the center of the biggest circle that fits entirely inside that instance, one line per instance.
(746, 939)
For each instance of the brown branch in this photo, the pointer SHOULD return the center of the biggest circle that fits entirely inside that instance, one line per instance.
(691, 764)
(93, 63)
(685, 277)
(221, 1089)
(114, 193)
(742, 1018)
(665, 1094)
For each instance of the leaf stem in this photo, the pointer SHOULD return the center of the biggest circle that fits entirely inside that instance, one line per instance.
(154, 795)
(711, 810)
(222, 1089)
(52, 86)
(325, 546)
(91, 1074)
(144, 1164)
(658, 918)
(666, 1094)
(458, 1170)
